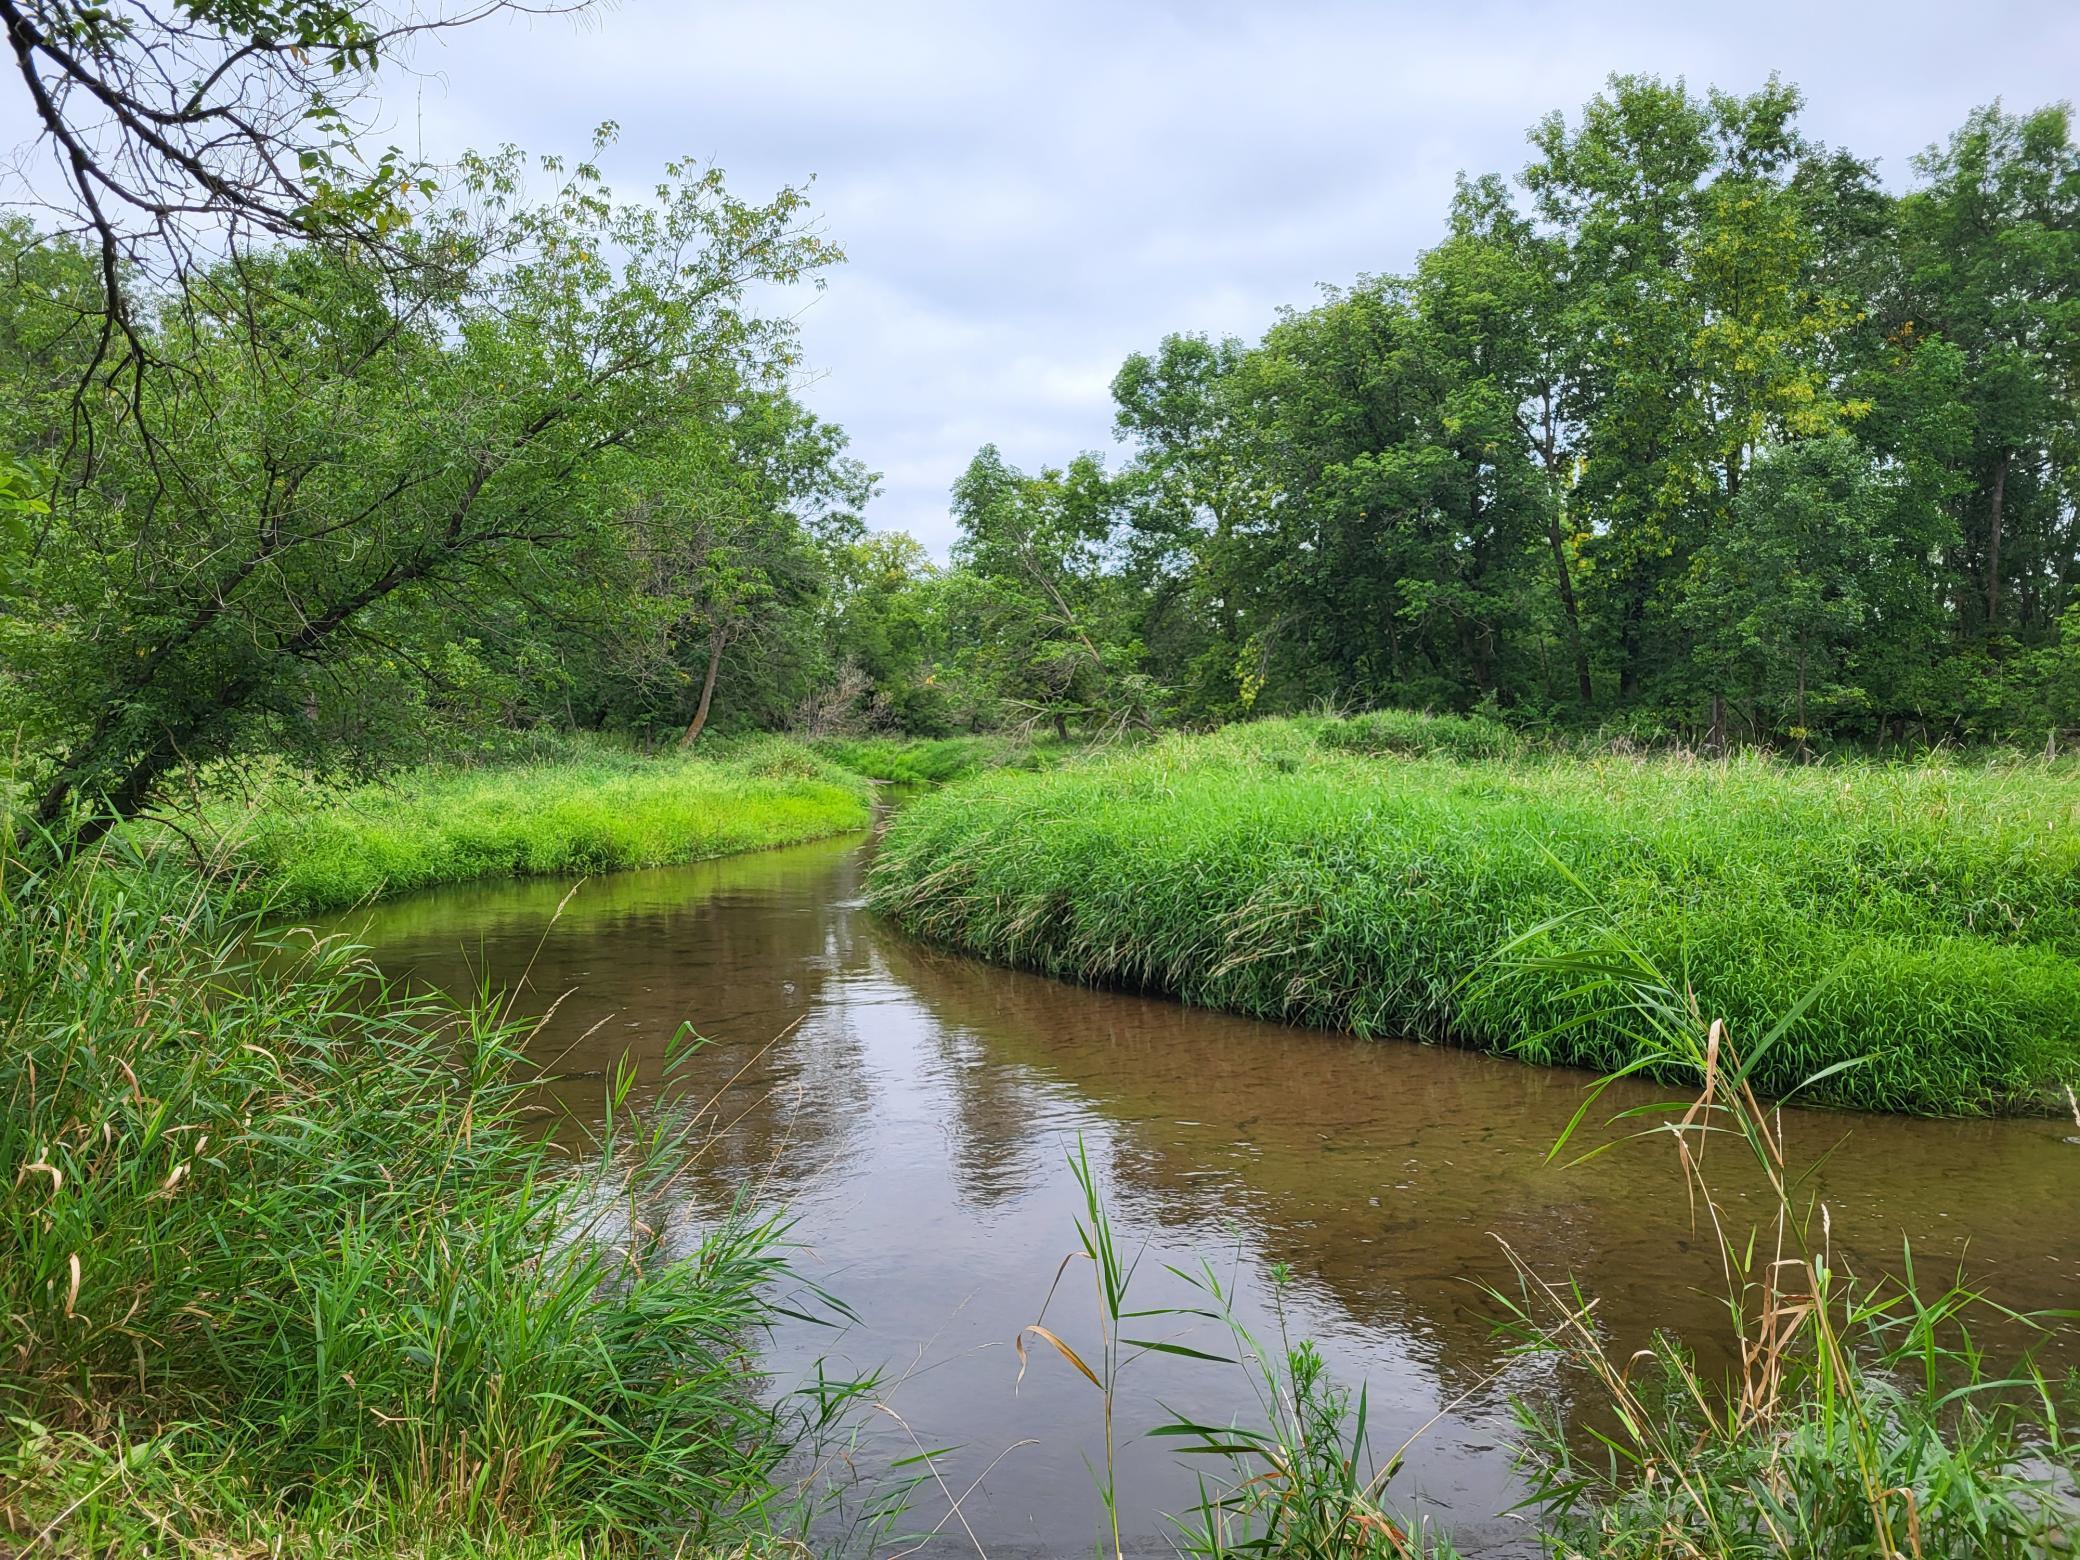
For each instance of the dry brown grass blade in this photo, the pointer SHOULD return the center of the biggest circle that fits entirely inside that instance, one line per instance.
(1061, 1348)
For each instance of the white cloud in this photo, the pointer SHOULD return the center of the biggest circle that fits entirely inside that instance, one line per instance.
(1027, 194)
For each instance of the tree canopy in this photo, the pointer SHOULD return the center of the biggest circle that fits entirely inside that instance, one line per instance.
(1697, 429)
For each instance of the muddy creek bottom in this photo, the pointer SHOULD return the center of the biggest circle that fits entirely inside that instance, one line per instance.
(916, 1111)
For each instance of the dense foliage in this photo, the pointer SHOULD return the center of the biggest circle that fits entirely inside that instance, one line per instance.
(1278, 869)
(548, 471)
(1702, 432)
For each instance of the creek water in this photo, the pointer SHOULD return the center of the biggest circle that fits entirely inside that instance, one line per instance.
(915, 1111)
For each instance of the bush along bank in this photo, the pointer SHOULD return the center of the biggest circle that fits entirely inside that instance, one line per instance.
(587, 808)
(1266, 869)
(288, 1268)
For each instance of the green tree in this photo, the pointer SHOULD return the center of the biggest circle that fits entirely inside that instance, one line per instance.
(1698, 329)
(1399, 536)
(882, 621)
(1821, 549)
(1189, 496)
(346, 445)
(180, 135)
(1040, 612)
(1493, 295)
(1990, 261)
(729, 531)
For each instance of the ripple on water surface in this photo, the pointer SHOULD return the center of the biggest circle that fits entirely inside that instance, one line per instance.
(915, 1111)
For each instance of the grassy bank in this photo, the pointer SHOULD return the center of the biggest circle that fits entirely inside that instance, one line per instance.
(941, 760)
(285, 1268)
(1333, 874)
(587, 807)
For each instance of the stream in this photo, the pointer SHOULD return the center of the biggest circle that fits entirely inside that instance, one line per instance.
(916, 1111)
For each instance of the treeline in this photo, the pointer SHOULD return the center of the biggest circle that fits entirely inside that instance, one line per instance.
(1697, 429)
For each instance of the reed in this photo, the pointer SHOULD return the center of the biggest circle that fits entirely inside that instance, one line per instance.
(1296, 1483)
(1859, 1417)
(1269, 870)
(284, 1265)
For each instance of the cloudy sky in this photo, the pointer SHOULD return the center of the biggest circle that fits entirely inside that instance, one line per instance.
(1027, 193)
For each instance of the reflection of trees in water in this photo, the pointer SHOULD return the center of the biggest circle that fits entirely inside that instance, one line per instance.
(1382, 1172)
(998, 1133)
(1391, 1174)
(741, 951)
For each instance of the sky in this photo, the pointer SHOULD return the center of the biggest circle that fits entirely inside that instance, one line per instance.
(1027, 193)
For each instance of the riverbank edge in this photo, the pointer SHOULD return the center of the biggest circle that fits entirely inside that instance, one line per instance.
(580, 808)
(1283, 871)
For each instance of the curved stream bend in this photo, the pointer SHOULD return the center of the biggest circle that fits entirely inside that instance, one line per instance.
(916, 1110)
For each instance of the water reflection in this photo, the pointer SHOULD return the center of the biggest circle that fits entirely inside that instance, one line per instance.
(914, 1109)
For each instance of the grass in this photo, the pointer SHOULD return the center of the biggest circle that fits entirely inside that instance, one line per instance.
(1300, 1481)
(588, 808)
(1308, 871)
(285, 1266)
(1413, 734)
(923, 761)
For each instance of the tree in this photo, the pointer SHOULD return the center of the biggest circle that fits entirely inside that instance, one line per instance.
(351, 443)
(730, 530)
(1821, 548)
(1031, 583)
(1697, 328)
(1399, 543)
(183, 137)
(881, 621)
(1188, 497)
(1492, 292)
(1990, 262)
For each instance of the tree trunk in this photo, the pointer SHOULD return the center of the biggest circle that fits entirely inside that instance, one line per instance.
(1223, 563)
(717, 640)
(1061, 725)
(1717, 740)
(1583, 689)
(1549, 452)
(1993, 541)
(1804, 753)
(1629, 637)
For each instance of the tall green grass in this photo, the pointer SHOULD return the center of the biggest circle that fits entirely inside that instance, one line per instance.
(1413, 734)
(1294, 1480)
(1266, 869)
(939, 760)
(592, 808)
(285, 1266)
